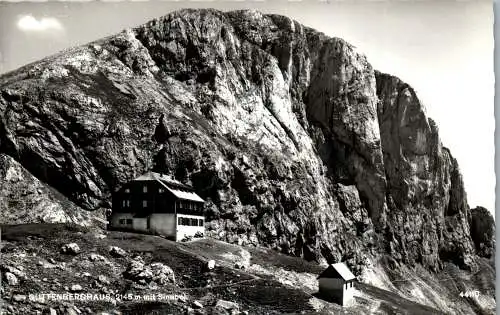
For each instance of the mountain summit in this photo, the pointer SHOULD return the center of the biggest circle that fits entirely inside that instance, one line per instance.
(295, 140)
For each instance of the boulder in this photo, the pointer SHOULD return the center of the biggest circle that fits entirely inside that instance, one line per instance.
(17, 272)
(135, 269)
(98, 258)
(227, 305)
(209, 265)
(140, 272)
(117, 251)
(71, 249)
(162, 274)
(11, 279)
(19, 297)
(103, 279)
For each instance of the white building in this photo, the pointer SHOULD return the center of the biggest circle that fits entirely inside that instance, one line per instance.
(336, 284)
(156, 203)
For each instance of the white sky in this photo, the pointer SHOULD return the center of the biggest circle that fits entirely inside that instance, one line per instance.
(443, 49)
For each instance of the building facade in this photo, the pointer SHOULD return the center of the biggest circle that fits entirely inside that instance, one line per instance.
(157, 204)
(336, 284)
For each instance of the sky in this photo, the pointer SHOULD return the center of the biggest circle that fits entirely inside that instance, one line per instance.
(443, 49)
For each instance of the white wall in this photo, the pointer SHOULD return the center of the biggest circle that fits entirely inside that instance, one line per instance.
(140, 224)
(116, 217)
(160, 223)
(184, 230)
(336, 289)
(163, 224)
(348, 294)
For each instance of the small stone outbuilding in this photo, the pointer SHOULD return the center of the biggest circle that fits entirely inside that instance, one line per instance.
(336, 284)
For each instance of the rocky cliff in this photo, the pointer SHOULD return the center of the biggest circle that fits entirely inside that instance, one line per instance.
(292, 137)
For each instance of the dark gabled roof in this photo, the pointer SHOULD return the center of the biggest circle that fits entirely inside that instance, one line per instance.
(337, 271)
(178, 189)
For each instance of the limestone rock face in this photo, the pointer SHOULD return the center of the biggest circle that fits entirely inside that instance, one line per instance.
(24, 198)
(428, 211)
(294, 140)
(482, 229)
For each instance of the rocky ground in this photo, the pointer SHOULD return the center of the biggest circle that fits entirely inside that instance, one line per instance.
(174, 278)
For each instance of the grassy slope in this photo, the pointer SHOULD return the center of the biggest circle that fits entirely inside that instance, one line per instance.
(272, 282)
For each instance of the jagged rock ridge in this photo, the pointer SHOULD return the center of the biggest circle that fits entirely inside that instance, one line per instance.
(294, 139)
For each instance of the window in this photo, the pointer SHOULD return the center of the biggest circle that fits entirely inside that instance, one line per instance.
(127, 191)
(190, 222)
(145, 189)
(125, 221)
(125, 203)
(160, 190)
(144, 203)
(185, 221)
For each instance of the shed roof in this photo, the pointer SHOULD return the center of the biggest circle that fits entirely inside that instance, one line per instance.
(337, 271)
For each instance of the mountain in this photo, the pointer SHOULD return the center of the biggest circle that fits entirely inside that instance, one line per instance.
(292, 137)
